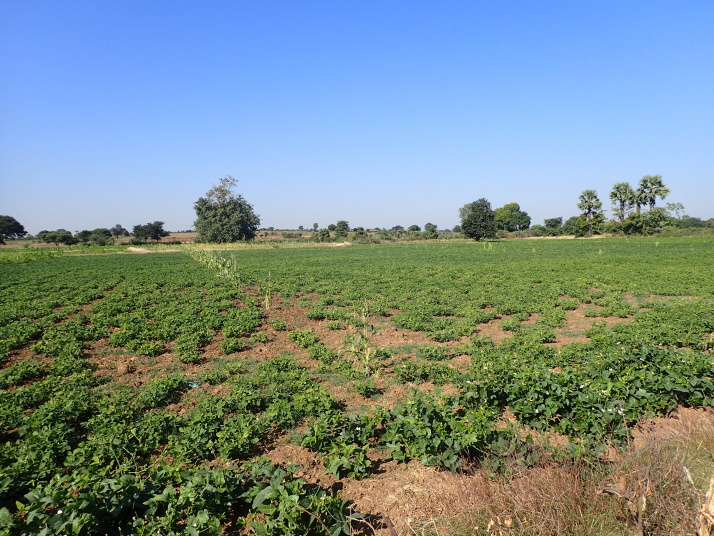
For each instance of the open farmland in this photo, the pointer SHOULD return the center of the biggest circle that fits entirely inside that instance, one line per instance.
(170, 393)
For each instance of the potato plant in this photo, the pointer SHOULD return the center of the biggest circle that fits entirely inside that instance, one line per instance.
(179, 447)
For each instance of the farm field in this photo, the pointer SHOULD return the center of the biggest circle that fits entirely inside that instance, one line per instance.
(342, 390)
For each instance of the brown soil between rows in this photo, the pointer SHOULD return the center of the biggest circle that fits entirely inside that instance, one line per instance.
(410, 494)
(417, 498)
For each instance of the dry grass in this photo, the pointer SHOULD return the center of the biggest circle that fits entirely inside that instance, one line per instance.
(656, 488)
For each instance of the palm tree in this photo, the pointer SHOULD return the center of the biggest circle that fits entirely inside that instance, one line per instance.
(623, 197)
(650, 188)
(590, 205)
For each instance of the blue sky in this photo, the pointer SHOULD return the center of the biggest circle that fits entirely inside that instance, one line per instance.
(380, 113)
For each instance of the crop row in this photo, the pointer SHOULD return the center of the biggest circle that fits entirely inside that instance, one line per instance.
(180, 451)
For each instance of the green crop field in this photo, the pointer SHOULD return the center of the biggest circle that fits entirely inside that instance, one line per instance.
(148, 394)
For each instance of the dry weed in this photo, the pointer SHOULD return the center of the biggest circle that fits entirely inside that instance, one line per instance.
(657, 488)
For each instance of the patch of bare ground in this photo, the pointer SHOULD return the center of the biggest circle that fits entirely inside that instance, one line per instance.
(135, 250)
(394, 394)
(389, 337)
(462, 363)
(128, 369)
(311, 468)
(531, 320)
(494, 330)
(23, 354)
(577, 323)
(408, 494)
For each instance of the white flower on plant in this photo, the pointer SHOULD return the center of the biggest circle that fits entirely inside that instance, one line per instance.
(59, 511)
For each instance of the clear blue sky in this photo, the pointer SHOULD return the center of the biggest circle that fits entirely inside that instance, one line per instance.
(381, 113)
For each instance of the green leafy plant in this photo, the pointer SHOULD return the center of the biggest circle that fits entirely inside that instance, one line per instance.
(278, 325)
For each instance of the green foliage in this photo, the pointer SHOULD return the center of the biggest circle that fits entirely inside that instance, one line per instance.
(242, 321)
(649, 189)
(231, 345)
(84, 455)
(553, 225)
(322, 353)
(304, 338)
(646, 223)
(367, 387)
(153, 231)
(10, 228)
(98, 237)
(478, 220)
(590, 206)
(623, 197)
(278, 325)
(432, 352)
(167, 500)
(20, 372)
(161, 392)
(510, 324)
(438, 373)
(511, 218)
(259, 336)
(341, 229)
(323, 235)
(596, 402)
(223, 216)
(429, 430)
(570, 227)
(430, 231)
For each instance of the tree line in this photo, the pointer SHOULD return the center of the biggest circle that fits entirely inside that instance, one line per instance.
(635, 211)
(11, 229)
(223, 216)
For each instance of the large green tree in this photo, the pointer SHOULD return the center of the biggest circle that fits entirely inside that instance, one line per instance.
(430, 231)
(154, 231)
(224, 216)
(341, 230)
(57, 237)
(477, 220)
(10, 229)
(118, 230)
(590, 205)
(510, 218)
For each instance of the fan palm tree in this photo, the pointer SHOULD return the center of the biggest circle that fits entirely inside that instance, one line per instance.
(623, 197)
(590, 205)
(650, 188)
